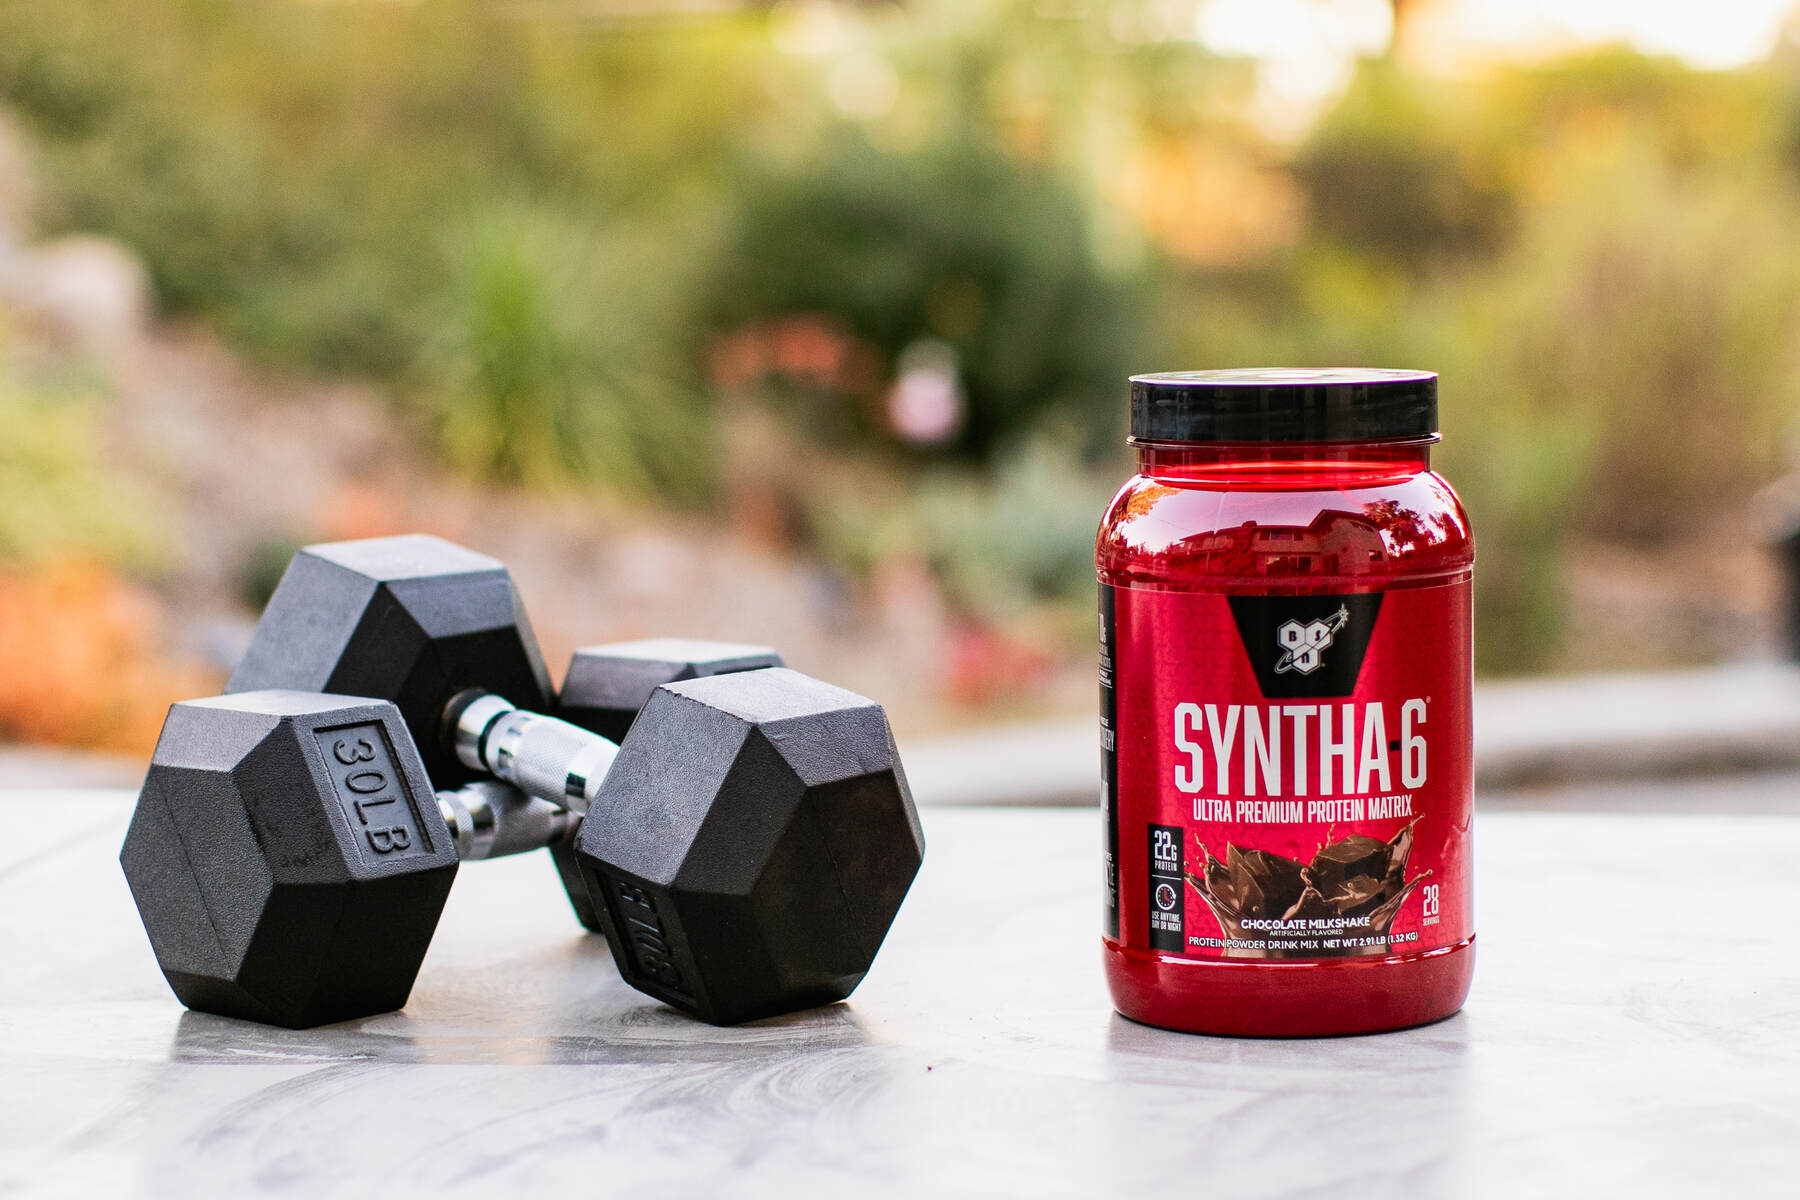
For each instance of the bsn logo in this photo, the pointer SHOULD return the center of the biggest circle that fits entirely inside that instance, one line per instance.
(1304, 644)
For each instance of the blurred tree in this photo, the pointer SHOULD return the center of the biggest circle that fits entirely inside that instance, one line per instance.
(1400, 169)
(957, 242)
(1597, 253)
(1667, 332)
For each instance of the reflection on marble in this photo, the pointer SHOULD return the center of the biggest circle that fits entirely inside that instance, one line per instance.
(1622, 1039)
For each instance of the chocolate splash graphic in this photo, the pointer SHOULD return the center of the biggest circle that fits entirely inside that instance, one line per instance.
(1355, 885)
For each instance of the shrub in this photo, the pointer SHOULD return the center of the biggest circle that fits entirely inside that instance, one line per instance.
(957, 243)
(549, 362)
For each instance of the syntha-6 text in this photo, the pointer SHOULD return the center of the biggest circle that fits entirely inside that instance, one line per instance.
(1268, 750)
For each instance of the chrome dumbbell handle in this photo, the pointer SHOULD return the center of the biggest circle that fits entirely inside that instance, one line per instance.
(542, 756)
(490, 819)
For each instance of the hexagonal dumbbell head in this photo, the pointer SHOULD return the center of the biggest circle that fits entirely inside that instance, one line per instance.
(288, 857)
(752, 844)
(607, 686)
(605, 689)
(412, 619)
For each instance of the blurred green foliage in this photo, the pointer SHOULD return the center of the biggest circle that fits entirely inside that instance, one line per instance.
(1400, 171)
(956, 242)
(1601, 258)
(440, 196)
(539, 225)
(260, 573)
(59, 496)
(1002, 540)
(550, 359)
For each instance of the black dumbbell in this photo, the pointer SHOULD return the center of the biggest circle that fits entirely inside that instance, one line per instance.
(607, 686)
(290, 861)
(746, 850)
(605, 689)
(430, 626)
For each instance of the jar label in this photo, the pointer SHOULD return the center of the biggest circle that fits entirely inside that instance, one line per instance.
(1286, 776)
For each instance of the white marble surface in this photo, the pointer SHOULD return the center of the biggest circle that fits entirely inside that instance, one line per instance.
(1634, 1031)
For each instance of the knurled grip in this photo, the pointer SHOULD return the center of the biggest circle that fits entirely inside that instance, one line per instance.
(540, 755)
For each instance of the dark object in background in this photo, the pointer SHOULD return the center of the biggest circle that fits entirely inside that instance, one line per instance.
(1787, 550)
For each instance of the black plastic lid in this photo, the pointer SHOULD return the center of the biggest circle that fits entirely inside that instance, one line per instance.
(1284, 404)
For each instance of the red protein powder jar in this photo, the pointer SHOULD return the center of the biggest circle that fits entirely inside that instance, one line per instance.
(1285, 672)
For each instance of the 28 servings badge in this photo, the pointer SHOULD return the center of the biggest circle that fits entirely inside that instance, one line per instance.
(1288, 776)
